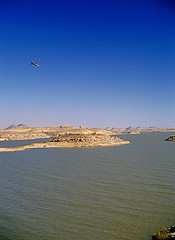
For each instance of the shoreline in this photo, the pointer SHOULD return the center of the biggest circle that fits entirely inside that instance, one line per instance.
(16, 134)
(67, 137)
(71, 141)
(61, 145)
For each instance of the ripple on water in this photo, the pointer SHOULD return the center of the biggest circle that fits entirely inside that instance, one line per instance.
(124, 192)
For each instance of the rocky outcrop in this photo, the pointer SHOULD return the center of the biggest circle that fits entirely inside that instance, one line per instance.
(73, 141)
(11, 126)
(22, 126)
(17, 126)
(171, 138)
(165, 234)
(88, 139)
(134, 132)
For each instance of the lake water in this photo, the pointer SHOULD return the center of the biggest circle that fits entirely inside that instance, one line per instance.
(111, 193)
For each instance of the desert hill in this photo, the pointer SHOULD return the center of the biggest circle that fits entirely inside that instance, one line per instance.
(17, 126)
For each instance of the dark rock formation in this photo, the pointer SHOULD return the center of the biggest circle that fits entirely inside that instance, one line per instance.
(11, 126)
(129, 128)
(22, 126)
(86, 138)
(19, 126)
(172, 229)
(171, 138)
(165, 234)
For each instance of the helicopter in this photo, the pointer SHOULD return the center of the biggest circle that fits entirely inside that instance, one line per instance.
(34, 63)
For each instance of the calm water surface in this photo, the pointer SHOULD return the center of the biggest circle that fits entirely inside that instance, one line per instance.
(122, 192)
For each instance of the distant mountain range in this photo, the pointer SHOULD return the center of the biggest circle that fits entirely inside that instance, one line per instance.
(151, 127)
(17, 126)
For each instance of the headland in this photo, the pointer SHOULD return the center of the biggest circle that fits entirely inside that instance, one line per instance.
(64, 137)
(67, 137)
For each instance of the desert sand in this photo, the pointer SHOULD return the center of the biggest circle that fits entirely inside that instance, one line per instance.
(64, 137)
(46, 132)
(67, 137)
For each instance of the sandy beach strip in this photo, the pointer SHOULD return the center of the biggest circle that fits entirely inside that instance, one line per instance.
(61, 145)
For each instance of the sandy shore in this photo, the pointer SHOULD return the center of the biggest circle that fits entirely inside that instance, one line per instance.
(73, 141)
(59, 145)
(83, 137)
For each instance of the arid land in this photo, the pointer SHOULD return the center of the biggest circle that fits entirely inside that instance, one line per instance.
(46, 132)
(61, 137)
(68, 137)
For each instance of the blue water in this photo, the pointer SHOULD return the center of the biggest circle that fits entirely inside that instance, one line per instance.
(121, 192)
(21, 142)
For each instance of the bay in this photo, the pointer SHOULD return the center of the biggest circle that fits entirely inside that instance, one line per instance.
(121, 192)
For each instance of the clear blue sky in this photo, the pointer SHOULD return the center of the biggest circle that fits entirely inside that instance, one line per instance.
(102, 63)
